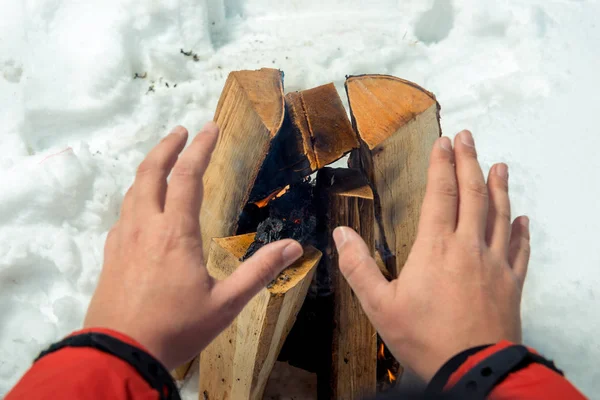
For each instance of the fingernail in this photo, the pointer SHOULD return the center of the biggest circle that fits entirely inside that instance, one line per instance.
(502, 171)
(340, 236)
(210, 127)
(179, 130)
(291, 252)
(445, 143)
(467, 138)
(525, 222)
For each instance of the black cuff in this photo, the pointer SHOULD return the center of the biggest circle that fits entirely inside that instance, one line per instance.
(436, 385)
(146, 365)
(480, 380)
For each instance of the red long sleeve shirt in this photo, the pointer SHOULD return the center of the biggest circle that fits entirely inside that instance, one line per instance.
(86, 373)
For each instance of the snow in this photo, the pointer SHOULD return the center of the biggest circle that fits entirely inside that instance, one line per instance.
(520, 74)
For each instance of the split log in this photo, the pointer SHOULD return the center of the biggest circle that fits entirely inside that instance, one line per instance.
(347, 200)
(237, 364)
(398, 122)
(315, 133)
(249, 114)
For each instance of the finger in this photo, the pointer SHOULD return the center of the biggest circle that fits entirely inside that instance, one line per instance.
(185, 187)
(111, 245)
(438, 213)
(127, 206)
(150, 183)
(519, 248)
(255, 274)
(498, 222)
(360, 269)
(472, 190)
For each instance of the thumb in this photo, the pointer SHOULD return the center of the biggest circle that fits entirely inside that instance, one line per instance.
(360, 269)
(256, 273)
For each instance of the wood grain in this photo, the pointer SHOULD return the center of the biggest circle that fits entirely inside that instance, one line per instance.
(347, 200)
(398, 122)
(237, 364)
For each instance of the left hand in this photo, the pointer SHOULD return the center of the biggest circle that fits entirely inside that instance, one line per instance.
(154, 286)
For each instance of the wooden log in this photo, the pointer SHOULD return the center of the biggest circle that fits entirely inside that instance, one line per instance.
(347, 200)
(237, 364)
(315, 133)
(398, 122)
(249, 114)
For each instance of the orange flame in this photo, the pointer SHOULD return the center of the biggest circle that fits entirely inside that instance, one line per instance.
(391, 376)
(381, 353)
(262, 203)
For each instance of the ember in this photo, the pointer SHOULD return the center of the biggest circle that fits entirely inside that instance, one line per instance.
(291, 216)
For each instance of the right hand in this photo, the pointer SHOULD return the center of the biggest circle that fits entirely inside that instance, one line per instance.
(461, 285)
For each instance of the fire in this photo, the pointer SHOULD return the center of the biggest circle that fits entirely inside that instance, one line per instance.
(381, 353)
(262, 203)
(391, 376)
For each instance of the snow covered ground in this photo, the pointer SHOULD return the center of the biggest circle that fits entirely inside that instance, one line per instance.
(522, 75)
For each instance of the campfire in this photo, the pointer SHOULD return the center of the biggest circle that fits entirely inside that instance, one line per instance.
(268, 180)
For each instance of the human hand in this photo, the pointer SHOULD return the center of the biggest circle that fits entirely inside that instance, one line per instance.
(461, 285)
(154, 286)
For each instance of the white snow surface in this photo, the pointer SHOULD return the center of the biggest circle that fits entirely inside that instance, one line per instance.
(521, 74)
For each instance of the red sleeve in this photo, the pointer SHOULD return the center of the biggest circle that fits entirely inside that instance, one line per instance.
(83, 373)
(534, 382)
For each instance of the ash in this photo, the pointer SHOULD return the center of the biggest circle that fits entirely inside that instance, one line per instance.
(291, 216)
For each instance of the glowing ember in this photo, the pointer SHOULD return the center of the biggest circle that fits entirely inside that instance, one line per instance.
(391, 376)
(262, 203)
(381, 353)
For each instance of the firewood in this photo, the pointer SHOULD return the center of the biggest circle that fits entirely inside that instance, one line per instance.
(237, 364)
(398, 122)
(347, 200)
(249, 114)
(315, 133)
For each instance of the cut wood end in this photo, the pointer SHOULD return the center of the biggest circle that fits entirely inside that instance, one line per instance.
(345, 182)
(321, 118)
(363, 192)
(382, 104)
(264, 89)
(296, 272)
(236, 245)
(329, 125)
(289, 277)
(297, 114)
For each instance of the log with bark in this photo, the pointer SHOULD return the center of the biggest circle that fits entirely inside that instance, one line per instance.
(237, 364)
(315, 133)
(346, 199)
(398, 122)
(249, 114)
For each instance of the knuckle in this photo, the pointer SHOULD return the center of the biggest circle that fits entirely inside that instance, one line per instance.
(265, 273)
(445, 187)
(185, 171)
(151, 166)
(350, 265)
(477, 188)
(498, 183)
(503, 213)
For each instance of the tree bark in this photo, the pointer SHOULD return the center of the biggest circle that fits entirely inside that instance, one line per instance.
(347, 200)
(398, 122)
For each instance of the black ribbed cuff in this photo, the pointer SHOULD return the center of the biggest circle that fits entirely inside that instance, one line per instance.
(441, 377)
(145, 364)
